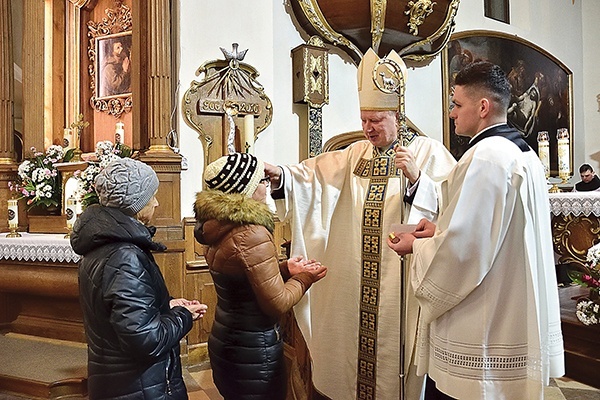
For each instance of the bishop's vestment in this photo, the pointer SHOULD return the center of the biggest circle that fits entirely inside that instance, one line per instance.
(341, 206)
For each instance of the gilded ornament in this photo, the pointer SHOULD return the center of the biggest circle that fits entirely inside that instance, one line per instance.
(418, 12)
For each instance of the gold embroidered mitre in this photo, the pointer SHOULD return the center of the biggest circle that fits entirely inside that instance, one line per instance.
(369, 95)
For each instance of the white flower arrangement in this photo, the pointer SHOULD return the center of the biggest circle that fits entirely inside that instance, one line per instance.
(588, 312)
(588, 276)
(593, 256)
(105, 153)
(39, 180)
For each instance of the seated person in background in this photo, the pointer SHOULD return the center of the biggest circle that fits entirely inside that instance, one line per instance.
(589, 181)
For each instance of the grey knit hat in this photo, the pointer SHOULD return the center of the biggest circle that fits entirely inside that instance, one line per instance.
(126, 184)
(235, 173)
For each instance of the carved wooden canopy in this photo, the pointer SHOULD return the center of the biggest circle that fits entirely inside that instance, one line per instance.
(417, 29)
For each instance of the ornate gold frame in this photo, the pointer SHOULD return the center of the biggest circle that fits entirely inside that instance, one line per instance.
(118, 23)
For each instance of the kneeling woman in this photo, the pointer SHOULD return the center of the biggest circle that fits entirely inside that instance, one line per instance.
(253, 288)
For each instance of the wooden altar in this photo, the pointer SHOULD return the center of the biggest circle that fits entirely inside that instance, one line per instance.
(39, 288)
(575, 225)
(39, 302)
(576, 228)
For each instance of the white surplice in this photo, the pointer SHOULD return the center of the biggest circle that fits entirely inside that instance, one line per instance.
(486, 283)
(324, 201)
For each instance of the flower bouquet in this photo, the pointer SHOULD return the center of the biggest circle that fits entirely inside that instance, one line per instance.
(588, 276)
(39, 179)
(105, 153)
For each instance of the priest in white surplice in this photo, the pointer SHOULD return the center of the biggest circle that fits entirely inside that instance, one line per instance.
(490, 317)
(341, 206)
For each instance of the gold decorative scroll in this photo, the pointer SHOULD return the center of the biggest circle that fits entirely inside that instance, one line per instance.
(378, 8)
(572, 236)
(444, 30)
(418, 12)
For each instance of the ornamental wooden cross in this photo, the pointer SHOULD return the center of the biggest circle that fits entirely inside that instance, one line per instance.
(228, 106)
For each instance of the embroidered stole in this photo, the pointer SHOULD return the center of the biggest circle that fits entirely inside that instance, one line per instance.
(378, 170)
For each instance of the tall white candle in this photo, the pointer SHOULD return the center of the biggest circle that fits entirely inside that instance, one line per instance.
(544, 151)
(13, 213)
(247, 146)
(564, 153)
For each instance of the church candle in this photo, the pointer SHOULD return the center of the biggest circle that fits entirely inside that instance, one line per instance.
(13, 213)
(68, 139)
(544, 151)
(71, 212)
(564, 153)
(119, 132)
(248, 142)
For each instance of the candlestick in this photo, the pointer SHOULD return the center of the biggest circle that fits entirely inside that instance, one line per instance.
(248, 134)
(564, 154)
(544, 151)
(119, 132)
(13, 218)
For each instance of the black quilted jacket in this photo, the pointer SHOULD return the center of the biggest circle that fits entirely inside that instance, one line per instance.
(133, 336)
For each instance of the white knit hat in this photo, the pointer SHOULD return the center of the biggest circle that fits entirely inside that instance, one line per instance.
(235, 173)
(369, 95)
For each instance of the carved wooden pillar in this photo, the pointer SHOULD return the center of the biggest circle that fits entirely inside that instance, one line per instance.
(152, 99)
(7, 165)
(33, 75)
(6, 84)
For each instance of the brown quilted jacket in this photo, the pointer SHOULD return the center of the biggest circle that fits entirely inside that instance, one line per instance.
(253, 290)
(238, 232)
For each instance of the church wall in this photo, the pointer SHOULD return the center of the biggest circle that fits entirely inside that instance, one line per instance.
(265, 28)
(591, 84)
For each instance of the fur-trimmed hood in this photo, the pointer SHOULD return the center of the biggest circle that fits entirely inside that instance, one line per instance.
(231, 210)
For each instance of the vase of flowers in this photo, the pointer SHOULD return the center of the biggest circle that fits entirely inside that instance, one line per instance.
(39, 180)
(588, 276)
(106, 152)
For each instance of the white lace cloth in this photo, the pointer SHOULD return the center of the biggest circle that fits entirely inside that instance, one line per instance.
(37, 247)
(575, 203)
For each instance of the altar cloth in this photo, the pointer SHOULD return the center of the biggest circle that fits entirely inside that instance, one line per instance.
(575, 203)
(37, 247)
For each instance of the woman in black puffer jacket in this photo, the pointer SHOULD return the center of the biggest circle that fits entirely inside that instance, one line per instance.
(132, 325)
(253, 288)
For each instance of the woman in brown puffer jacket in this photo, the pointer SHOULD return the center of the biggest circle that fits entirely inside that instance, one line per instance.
(253, 288)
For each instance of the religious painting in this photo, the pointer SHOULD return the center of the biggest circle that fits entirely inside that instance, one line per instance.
(113, 65)
(110, 68)
(541, 87)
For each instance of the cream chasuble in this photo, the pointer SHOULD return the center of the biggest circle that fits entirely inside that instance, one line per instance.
(341, 206)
